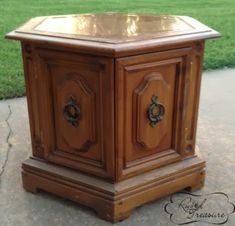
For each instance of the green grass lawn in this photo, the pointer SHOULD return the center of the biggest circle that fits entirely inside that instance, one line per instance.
(218, 14)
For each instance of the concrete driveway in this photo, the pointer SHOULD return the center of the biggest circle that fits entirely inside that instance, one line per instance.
(215, 138)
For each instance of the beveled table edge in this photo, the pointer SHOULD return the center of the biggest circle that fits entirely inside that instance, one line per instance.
(108, 49)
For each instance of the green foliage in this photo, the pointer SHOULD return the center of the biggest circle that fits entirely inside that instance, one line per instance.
(218, 14)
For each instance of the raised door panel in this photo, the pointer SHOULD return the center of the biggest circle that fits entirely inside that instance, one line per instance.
(151, 87)
(150, 95)
(77, 105)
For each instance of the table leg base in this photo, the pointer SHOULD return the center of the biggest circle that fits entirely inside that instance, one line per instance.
(113, 201)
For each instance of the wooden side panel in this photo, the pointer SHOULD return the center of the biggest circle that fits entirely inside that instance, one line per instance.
(140, 146)
(193, 95)
(62, 76)
(33, 92)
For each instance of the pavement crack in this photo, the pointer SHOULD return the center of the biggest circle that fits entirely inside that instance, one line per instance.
(7, 140)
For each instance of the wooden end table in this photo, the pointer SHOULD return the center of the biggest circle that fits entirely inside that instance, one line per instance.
(113, 106)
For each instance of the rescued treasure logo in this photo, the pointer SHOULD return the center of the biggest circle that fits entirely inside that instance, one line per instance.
(185, 208)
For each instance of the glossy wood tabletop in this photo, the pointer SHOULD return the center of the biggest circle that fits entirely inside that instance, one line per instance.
(112, 34)
(113, 27)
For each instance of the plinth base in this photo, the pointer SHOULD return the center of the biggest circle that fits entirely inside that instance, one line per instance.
(113, 202)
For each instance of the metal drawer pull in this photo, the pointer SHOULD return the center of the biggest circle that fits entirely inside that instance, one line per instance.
(72, 112)
(155, 111)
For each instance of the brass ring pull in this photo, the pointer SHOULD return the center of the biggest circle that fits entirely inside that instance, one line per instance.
(155, 111)
(72, 112)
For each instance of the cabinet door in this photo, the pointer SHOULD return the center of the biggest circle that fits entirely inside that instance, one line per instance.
(150, 97)
(76, 107)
